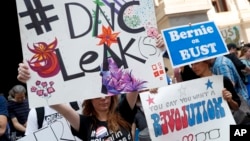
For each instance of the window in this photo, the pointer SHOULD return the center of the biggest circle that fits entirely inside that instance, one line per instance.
(220, 5)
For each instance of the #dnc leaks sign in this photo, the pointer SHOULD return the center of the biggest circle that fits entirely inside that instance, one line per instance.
(192, 43)
(81, 49)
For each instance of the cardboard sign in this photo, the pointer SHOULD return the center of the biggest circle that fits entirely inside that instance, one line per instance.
(78, 49)
(188, 111)
(231, 34)
(193, 43)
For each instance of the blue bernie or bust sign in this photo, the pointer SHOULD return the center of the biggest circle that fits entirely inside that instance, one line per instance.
(193, 43)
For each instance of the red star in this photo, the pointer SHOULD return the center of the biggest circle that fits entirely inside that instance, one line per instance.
(150, 100)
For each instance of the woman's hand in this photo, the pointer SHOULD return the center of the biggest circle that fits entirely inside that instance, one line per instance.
(153, 90)
(23, 73)
(159, 42)
(227, 95)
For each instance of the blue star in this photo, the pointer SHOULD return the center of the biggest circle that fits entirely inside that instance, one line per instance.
(209, 84)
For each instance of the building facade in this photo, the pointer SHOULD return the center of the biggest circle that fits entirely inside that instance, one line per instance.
(231, 16)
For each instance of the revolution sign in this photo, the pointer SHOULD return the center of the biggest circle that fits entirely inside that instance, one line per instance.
(188, 114)
(192, 43)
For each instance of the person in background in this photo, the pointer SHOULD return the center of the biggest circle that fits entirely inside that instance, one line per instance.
(221, 65)
(245, 59)
(4, 127)
(18, 108)
(247, 44)
(233, 49)
(168, 68)
(239, 65)
(184, 73)
(140, 123)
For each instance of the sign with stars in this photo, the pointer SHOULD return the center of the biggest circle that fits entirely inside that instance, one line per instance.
(82, 49)
(181, 113)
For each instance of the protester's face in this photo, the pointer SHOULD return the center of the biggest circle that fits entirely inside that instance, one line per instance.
(248, 53)
(234, 51)
(199, 68)
(101, 104)
(20, 97)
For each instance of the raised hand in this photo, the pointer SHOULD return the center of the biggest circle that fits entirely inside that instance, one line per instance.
(23, 73)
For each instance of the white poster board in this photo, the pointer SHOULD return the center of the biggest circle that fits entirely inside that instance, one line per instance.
(188, 111)
(81, 49)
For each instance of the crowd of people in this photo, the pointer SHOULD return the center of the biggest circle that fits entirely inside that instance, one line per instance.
(110, 113)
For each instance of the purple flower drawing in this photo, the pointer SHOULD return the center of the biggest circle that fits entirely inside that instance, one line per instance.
(117, 80)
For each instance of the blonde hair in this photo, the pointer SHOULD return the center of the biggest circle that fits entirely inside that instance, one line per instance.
(17, 89)
(115, 121)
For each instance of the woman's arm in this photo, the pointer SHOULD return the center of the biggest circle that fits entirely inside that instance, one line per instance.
(133, 130)
(230, 95)
(18, 125)
(229, 98)
(69, 114)
(132, 98)
(3, 124)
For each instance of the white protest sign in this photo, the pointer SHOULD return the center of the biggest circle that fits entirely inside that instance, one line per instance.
(57, 131)
(188, 111)
(54, 126)
(79, 49)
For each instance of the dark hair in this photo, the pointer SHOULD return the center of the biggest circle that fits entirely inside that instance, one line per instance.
(232, 46)
(188, 73)
(247, 44)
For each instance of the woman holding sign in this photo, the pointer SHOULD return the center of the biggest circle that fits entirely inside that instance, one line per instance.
(104, 118)
(202, 69)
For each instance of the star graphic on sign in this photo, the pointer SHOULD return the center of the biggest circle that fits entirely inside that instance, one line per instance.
(209, 84)
(150, 100)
